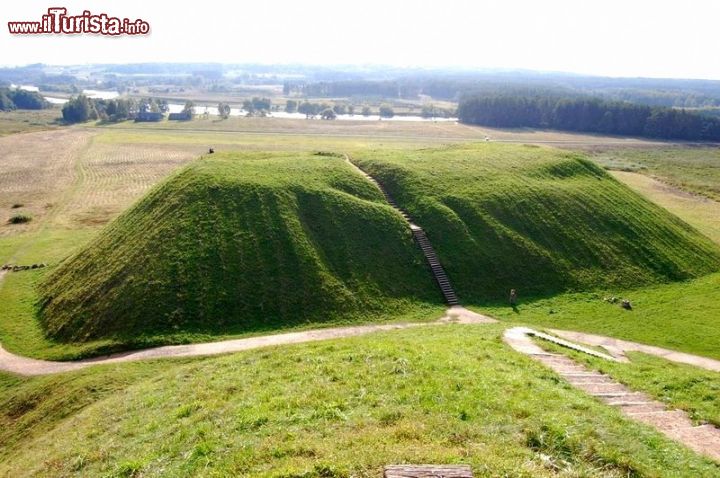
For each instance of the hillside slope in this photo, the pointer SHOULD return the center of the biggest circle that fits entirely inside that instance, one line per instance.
(536, 219)
(235, 243)
(344, 408)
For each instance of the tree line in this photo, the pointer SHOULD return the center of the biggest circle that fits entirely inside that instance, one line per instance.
(17, 99)
(329, 89)
(81, 108)
(585, 114)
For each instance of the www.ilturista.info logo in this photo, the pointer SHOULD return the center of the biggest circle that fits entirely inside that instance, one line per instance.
(58, 22)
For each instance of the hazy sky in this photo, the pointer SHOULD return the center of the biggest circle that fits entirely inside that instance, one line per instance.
(609, 37)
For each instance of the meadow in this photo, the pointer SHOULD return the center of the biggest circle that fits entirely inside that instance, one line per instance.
(443, 394)
(436, 393)
(694, 169)
(24, 121)
(699, 211)
(681, 316)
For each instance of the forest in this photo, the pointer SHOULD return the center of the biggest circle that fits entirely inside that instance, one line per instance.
(587, 114)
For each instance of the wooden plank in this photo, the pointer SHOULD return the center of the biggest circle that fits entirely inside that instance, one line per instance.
(428, 471)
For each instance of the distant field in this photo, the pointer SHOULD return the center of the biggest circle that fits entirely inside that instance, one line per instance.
(71, 178)
(38, 172)
(23, 121)
(698, 211)
(694, 169)
(423, 132)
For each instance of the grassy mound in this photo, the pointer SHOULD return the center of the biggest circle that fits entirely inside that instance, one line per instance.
(235, 243)
(345, 408)
(538, 220)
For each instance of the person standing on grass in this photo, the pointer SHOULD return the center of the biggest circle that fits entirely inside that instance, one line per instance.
(513, 297)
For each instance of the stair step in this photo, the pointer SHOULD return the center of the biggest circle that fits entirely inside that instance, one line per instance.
(631, 408)
(600, 389)
(631, 397)
(665, 420)
(424, 244)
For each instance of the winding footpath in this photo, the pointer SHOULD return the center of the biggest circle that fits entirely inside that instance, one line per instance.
(675, 424)
(26, 366)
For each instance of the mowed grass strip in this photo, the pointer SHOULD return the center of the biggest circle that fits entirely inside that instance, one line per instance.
(538, 220)
(237, 243)
(440, 394)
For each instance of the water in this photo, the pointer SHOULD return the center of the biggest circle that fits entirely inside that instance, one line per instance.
(96, 94)
(55, 101)
(101, 95)
(25, 87)
(212, 110)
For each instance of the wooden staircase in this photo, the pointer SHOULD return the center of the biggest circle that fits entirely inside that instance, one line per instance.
(437, 268)
(421, 239)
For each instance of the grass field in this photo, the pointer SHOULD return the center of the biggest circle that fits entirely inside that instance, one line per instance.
(444, 394)
(536, 219)
(418, 133)
(25, 121)
(681, 316)
(685, 387)
(700, 212)
(693, 169)
(110, 167)
(38, 171)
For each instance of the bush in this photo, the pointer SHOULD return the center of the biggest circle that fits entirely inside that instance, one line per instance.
(328, 114)
(20, 219)
(386, 111)
(79, 110)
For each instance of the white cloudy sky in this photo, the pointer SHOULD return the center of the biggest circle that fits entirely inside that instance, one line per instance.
(608, 37)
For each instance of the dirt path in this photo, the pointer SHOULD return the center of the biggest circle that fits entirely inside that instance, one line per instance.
(617, 348)
(675, 424)
(26, 366)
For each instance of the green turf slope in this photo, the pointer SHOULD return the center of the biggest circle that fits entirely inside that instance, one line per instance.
(336, 409)
(241, 242)
(536, 219)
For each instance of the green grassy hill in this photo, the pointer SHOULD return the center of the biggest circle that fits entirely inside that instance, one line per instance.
(241, 242)
(536, 219)
(344, 408)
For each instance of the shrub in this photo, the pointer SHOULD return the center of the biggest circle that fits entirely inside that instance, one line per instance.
(20, 219)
